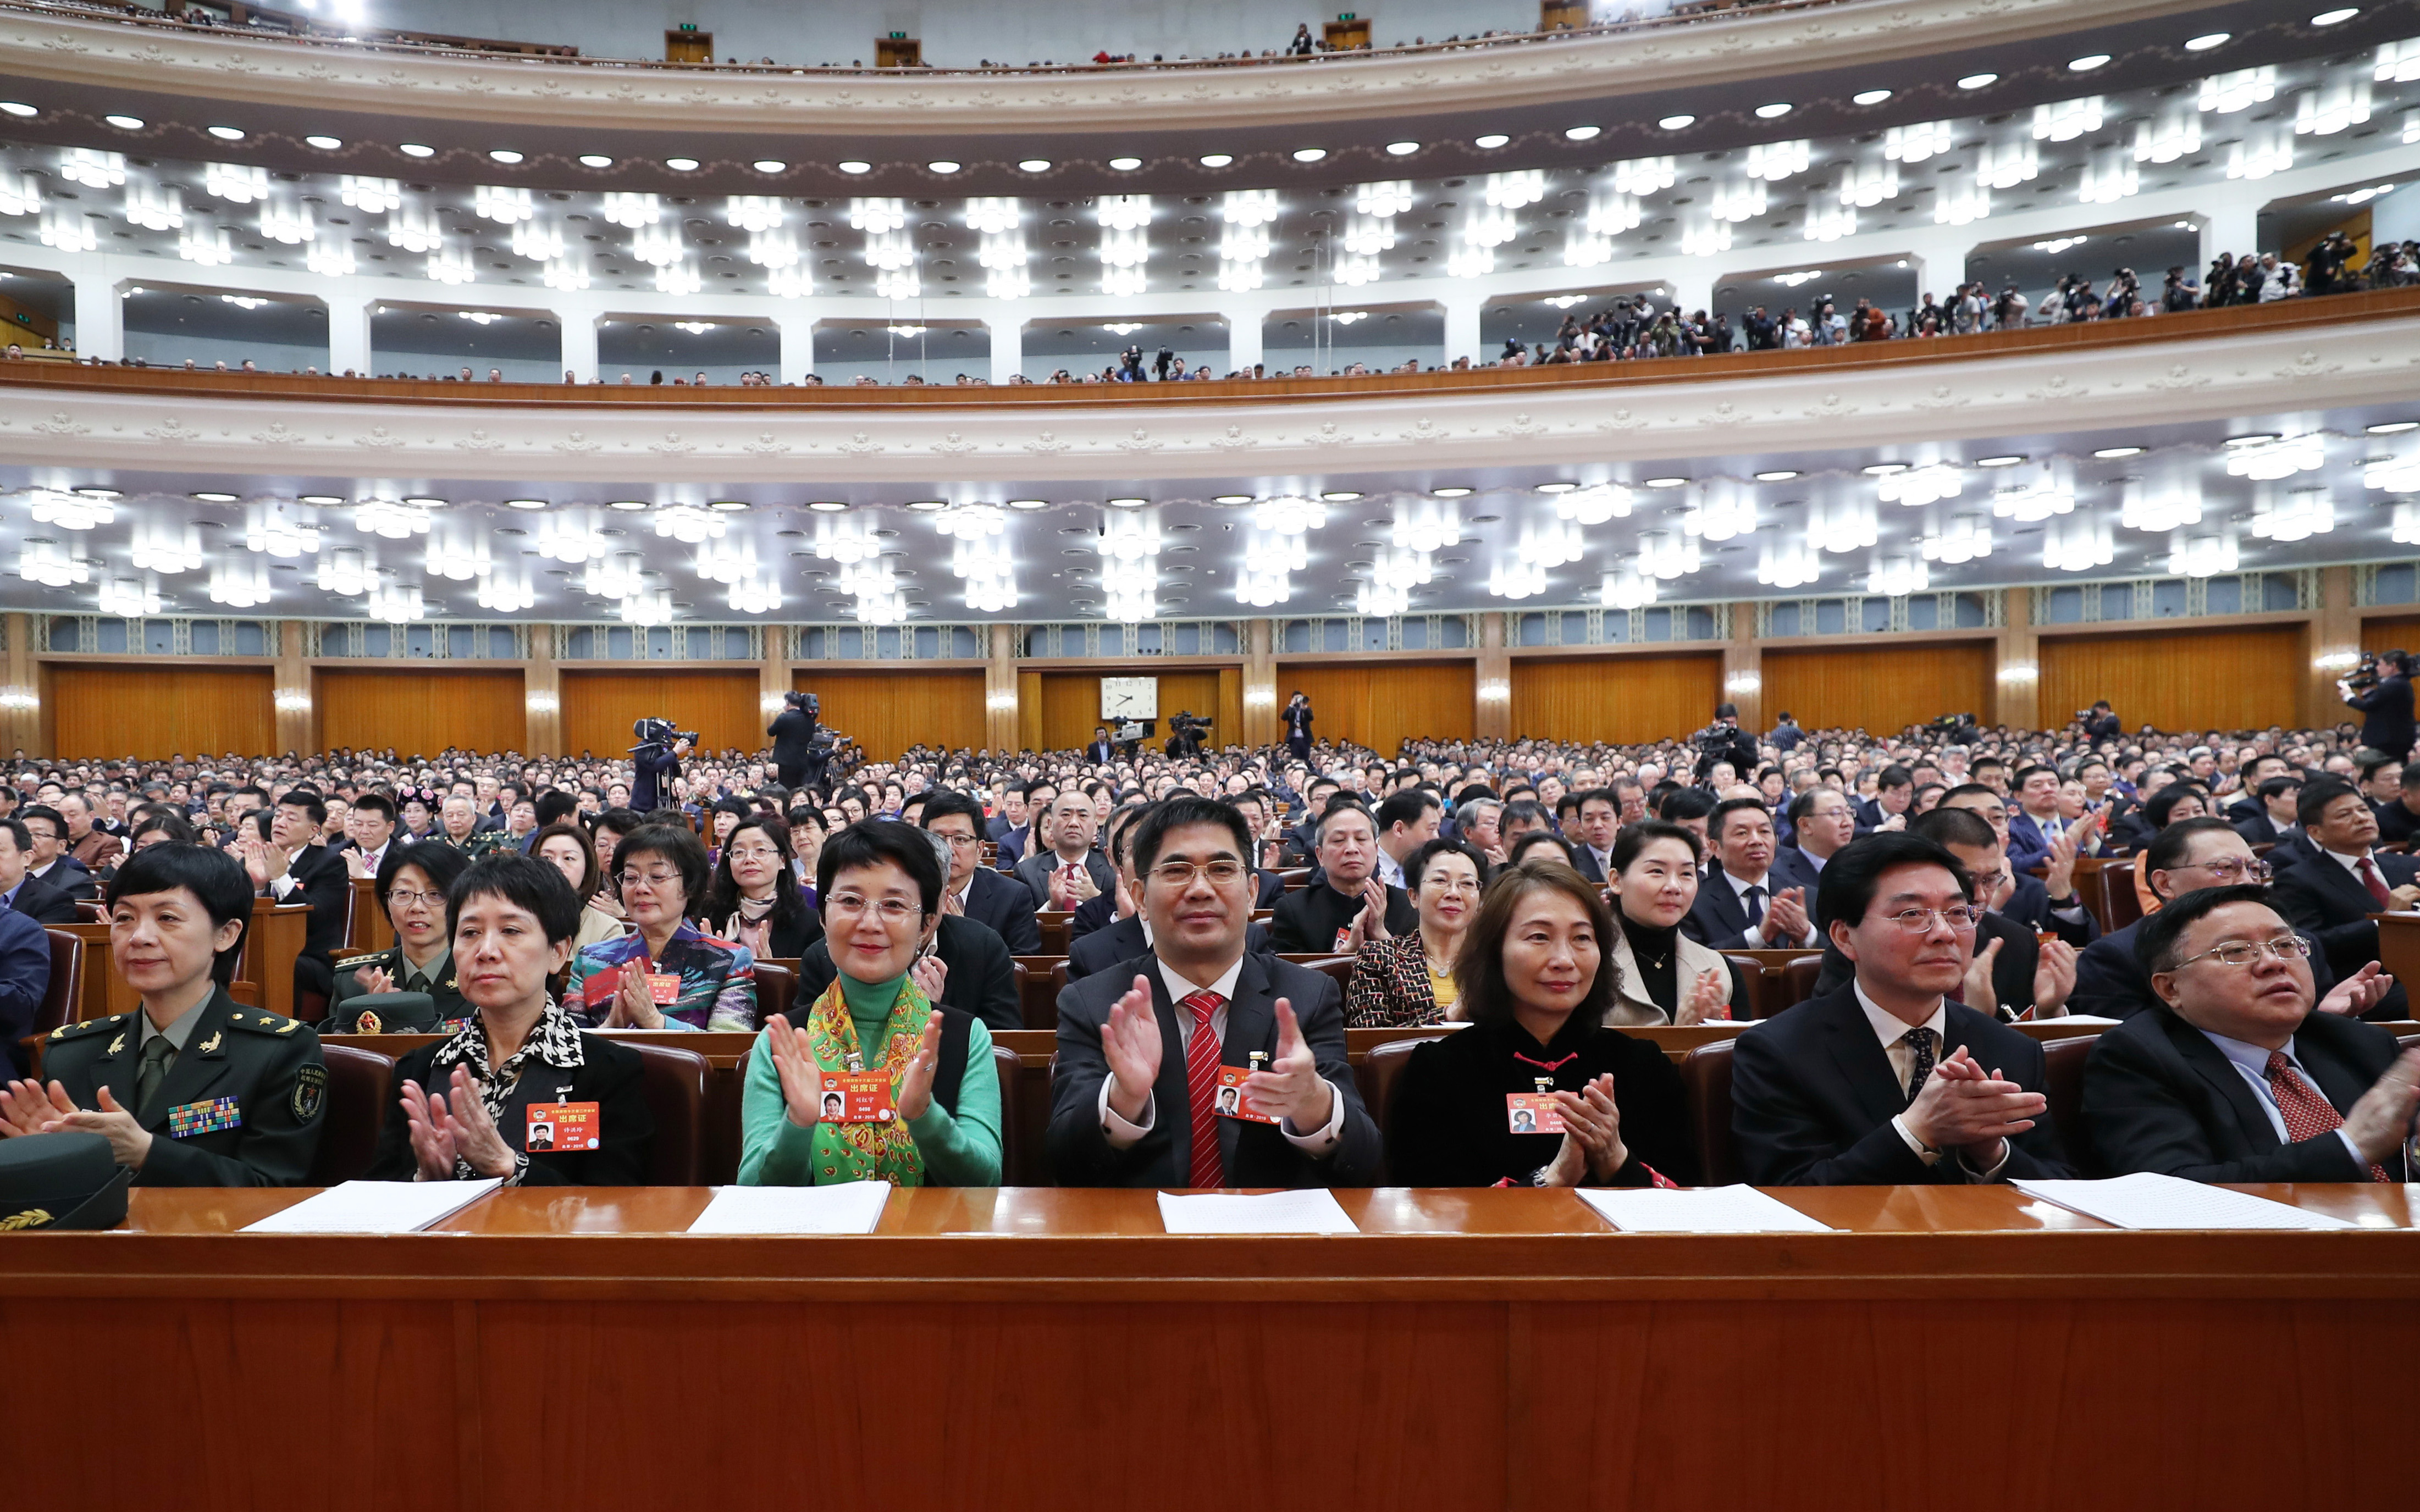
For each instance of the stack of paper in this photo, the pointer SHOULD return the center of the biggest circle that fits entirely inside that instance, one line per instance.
(1706, 1209)
(2149, 1200)
(847, 1208)
(376, 1207)
(1312, 1211)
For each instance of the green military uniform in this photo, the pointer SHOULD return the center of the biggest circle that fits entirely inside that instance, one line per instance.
(240, 1103)
(491, 843)
(398, 1012)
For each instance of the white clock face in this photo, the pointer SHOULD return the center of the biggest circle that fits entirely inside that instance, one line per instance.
(1129, 698)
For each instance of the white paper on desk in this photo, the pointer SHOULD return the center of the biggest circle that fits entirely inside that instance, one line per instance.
(845, 1208)
(2149, 1201)
(1310, 1210)
(1704, 1209)
(376, 1207)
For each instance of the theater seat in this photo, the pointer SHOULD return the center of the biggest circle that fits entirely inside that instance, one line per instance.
(2125, 907)
(1040, 1000)
(1376, 1075)
(1760, 986)
(777, 990)
(67, 979)
(1797, 981)
(1706, 1080)
(2063, 1088)
(1013, 1142)
(1337, 968)
(359, 1084)
(675, 1085)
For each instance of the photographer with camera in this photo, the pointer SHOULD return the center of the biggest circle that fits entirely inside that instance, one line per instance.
(2099, 722)
(1185, 734)
(1725, 741)
(2380, 689)
(793, 737)
(656, 761)
(1297, 719)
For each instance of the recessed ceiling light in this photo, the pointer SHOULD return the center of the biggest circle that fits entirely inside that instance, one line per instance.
(855, 166)
(1999, 461)
(325, 501)
(325, 144)
(927, 506)
(1773, 112)
(2254, 439)
(125, 123)
(1979, 81)
(1401, 149)
(1557, 487)
(1234, 498)
(1125, 164)
(1128, 503)
(728, 506)
(1309, 154)
(1777, 475)
(2208, 41)
(1870, 96)
(681, 164)
(425, 503)
(1034, 165)
(1884, 470)
(227, 133)
(1491, 141)
(91, 492)
(1583, 133)
(1452, 493)
(595, 160)
(210, 498)
(2111, 453)
(1213, 160)
(944, 165)
(1029, 504)
(769, 166)
(1342, 495)
(18, 107)
(1677, 123)
(829, 506)
(2392, 428)
(504, 155)
(414, 150)
(1666, 483)
(627, 506)
(2087, 63)
(524, 503)
(2329, 18)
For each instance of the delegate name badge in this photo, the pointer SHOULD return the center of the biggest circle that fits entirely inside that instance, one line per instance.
(205, 1117)
(1343, 938)
(561, 1127)
(857, 1097)
(1230, 1100)
(1532, 1113)
(663, 987)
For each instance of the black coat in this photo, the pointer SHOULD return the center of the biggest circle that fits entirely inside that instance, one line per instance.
(2319, 896)
(2111, 984)
(1306, 920)
(1446, 1125)
(792, 735)
(1006, 905)
(2012, 969)
(611, 1075)
(71, 877)
(2030, 905)
(2387, 716)
(1256, 1154)
(45, 904)
(1719, 920)
(1813, 1096)
(323, 882)
(2158, 1096)
(1122, 940)
(981, 979)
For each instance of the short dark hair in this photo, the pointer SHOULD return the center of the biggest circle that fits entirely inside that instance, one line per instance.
(1636, 838)
(1685, 803)
(554, 805)
(2317, 795)
(160, 821)
(1418, 862)
(875, 842)
(677, 843)
(304, 799)
(1341, 803)
(1728, 807)
(1177, 811)
(1895, 777)
(523, 881)
(2157, 808)
(2156, 944)
(590, 878)
(2278, 786)
(1485, 997)
(1404, 808)
(442, 863)
(1955, 827)
(2170, 846)
(1531, 839)
(213, 875)
(1855, 872)
(1604, 795)
(43, 810)
(2017, 779)
(18, 833)
(620, 821)
(377, 803)
(948, 801)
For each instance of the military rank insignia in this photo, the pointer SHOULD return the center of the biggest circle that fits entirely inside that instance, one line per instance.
(205, 1117)
(368, 1023)
(310, 1093)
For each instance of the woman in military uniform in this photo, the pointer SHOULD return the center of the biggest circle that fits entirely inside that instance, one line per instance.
(193, 1089)
(411, 981)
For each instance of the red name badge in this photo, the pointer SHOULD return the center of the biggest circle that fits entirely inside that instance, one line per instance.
(1231, 1101)
(857, 1097)
(1343, 938)
(1532, 1113)
(561, 1127)
(663, 987)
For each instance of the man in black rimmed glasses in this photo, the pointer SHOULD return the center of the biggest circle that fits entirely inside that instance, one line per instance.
(1886, 1081)
(2236, 1077)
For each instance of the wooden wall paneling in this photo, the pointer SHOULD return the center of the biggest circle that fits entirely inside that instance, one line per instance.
(2397, 632)
(600, 707)
(2213, 679)
(1229, 730)
(1878, 688)
(1380, 704)
(1071, 706)
(889, 711)
(1620, 699)
(1028, 711)
(157, 710)
(420, 711)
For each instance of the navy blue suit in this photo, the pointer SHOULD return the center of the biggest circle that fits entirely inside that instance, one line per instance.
(25, 977)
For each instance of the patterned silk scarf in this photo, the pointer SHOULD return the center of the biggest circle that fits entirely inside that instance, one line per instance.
(867, 1151)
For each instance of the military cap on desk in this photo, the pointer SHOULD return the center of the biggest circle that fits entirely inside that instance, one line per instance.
(61, 1181)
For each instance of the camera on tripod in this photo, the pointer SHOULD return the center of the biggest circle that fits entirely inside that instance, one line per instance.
(654, 735)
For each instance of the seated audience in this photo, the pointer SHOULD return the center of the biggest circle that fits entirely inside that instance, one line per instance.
(1345, 905)
(566, 847)
(413, 986)
(1886, 1081)
(26, 894)
(2331, 894)
(1069, 870)
(967, 966)
(936, 1119)
(25, 980)
(976, 891)
(292, 867)
(666, 973)
(755, 896)
(1661, 975)
(2236, 1076)
(1537, 986)
(51, 866)
(479, 1103)
(155, 1082)
(1408, 978)
(1739, 907)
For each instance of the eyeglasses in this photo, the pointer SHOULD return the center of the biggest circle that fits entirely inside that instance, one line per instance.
(961, 843)
(1449, 884)
(1919, 920)
(405, 898)
(2244, 952)
(889, 910)
(649, 879)
(1222, 872)
(2230, 872)
(755, 853)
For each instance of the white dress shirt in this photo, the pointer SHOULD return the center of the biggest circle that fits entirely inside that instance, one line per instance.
(1752, 938)
(1892, 1031)
(2252, 1061)
(1390, 871)
(1122, 1134)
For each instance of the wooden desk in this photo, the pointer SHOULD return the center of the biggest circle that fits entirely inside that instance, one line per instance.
(271, 943)
(1470, 1350)
(2399, 947)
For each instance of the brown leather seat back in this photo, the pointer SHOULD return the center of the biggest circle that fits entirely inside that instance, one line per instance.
(674, 1081)
(1379, 1070)
(66, 980)
(1797, 981)
(1042, 1005)
(360, 1082)
(2125, 906)
(1006, 1065)
(2063, 1088)
(777, 990)
(1706, 1080)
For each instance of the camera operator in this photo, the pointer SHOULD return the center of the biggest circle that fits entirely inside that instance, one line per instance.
(2099, 722)
(1297, 725)
(656, 761)
(1161, 362)
(2386, 706)
(794, 735)
(1725, 741)
(1185, 734)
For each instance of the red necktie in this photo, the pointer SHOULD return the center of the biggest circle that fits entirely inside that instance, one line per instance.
(2377, 885)
(1202, 1090)
(2306, 1114)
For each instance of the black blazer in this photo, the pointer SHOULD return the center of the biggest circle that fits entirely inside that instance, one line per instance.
(2259, 829)
(2158, 1096)
(1101, 752)
(1257, 1154)
(611, 1075)
(71, 877)
(2030, 905)
(321, 881)
(1585, 862)
(1090, 915)
(981, 979)
(2322, 898)
(794, 736)
(1812, 1097)
(1004, 905)
(45, 904)
(1307, 918)
(1122, 940)
(2386, 724)
(1791, 868)
(1718, 920)
(2109, 984)
(1446, 1125)
(2012, 969)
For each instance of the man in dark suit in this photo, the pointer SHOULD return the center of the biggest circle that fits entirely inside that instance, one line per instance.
(1821, 822)
(1342, 907)
(293, 868)
(2400, 819)
(28, 895)
(1100, 752)
(2234, 1077)
(2386, 708)
(2034, 824)
(1739, 906)
(1893, 792)
(2333, 893)
(1069, 869)
(2246, 804)
(1140, 1047)
(1887, 1082)
(51, 865)
(2272, 820)
(2101, 723)
(973, 891)
(1296, 718)
(1023, 807)
(980, 978)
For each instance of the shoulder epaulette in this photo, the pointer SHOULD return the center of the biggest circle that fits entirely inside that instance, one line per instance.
(68, 1031)
(261, 1022)
(351, 961)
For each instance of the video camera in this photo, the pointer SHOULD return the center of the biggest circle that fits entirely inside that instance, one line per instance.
(656, 733)
(2366, 675)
